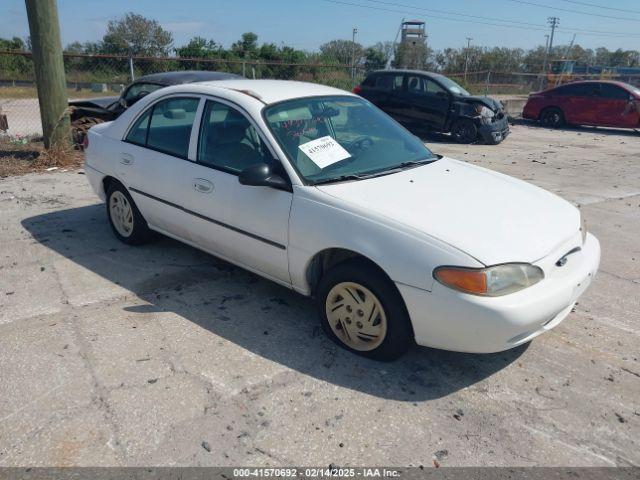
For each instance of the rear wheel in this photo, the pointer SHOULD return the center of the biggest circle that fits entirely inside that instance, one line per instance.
(362, 311)
(464, 131)
(552, 117)
(128, 224)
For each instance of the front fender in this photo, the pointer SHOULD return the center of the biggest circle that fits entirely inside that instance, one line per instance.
(319, 222)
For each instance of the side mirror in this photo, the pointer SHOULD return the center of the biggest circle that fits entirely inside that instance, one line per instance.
(261, 175)
(442, 94)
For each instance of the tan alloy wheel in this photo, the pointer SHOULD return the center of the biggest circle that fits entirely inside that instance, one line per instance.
(356, 316)
(121, 213)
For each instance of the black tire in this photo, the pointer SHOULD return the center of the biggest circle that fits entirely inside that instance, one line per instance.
(140, 233)
(552, 117)
(464, 131)
(399, 333)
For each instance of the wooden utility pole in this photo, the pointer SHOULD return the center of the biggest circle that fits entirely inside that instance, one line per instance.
(49, 68)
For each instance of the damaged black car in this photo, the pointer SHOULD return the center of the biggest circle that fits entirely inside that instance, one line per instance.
(424, 101)
(87, 112)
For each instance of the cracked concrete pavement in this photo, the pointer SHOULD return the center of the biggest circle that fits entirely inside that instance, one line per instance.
(116, 355)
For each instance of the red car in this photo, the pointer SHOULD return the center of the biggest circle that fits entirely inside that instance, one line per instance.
(600, 103)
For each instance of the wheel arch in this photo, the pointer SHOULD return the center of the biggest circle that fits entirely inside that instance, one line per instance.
(107, 181)
(328, 258)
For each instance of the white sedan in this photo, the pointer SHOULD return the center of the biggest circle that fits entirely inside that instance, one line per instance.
(318, 190)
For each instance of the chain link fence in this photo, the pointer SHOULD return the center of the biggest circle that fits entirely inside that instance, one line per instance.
(107, 75)
(90, 76)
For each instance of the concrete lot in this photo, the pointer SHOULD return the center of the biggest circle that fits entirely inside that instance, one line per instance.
(163, 355)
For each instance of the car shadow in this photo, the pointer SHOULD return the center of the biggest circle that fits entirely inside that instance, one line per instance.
(258, 315)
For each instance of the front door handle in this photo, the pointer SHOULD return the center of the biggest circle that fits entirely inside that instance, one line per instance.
(201, 185)
(126, 158)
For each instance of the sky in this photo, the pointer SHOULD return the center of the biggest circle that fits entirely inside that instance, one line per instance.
(306, 24)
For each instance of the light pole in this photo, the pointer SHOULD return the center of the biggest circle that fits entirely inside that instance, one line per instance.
(353, 52)
(553, 21)
(466, 60)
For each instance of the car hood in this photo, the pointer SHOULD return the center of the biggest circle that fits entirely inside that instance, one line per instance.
(490, 216)
(489, 102)
(97, 102)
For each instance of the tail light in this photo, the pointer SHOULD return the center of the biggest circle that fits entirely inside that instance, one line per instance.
(85, 141)
(357, 89)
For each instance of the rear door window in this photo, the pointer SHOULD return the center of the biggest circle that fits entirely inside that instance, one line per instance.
(170, 125)
(389, 82)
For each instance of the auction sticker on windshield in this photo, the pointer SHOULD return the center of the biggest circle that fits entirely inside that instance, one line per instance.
(324, 151)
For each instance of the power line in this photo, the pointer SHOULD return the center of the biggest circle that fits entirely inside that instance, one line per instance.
(531, 27)
(371, 7)
(587, 4)
(491, 19)
(523, 2)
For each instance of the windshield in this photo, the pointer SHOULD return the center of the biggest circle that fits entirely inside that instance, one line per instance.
(329, 138)
(453, 87)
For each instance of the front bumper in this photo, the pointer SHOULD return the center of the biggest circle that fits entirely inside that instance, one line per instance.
(451, 320)
(494, 132)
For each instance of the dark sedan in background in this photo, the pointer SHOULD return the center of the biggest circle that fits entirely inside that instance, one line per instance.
(597, 103)
(87, 112)
(424, 101)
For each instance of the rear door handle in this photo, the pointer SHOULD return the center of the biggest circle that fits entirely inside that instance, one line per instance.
(201, 185)
(126, 158)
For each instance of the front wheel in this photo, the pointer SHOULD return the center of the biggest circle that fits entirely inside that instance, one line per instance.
(362, 311)
(552, 117)
(464, 131)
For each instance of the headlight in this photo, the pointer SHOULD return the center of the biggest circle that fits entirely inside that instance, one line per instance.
(484, 111)
(491, 281)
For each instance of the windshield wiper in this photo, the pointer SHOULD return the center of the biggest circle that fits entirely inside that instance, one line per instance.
(403, 166)
(340, 178)
(379, 173)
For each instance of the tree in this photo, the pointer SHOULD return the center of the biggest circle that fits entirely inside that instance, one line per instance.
(374, 59)
(342, 51)
(199, 47)
(377, 55)
(134, 34)
(246, 47)
(15, 43)
(74, 47)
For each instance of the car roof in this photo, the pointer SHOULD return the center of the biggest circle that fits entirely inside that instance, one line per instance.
(270, 91)
(400, 70)
(187, 76)
(581, 82)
